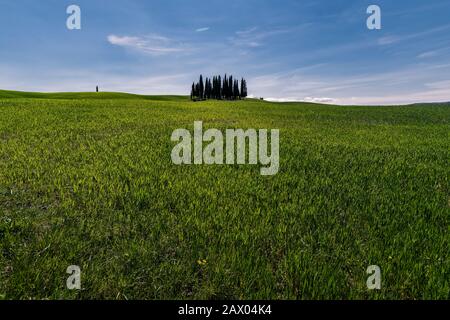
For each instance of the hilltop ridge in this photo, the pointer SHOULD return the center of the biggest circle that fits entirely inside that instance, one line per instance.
(7, 94)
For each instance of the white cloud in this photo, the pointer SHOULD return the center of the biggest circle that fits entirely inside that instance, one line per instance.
(413, 84)
(246, 32)
(388, 40)
(202, 29)
(282, 99)
(391, 39)
(82, 80)
(150, 44)
(439, 85)
(253, 37)
(428, 54)
(307, 99)
(434, 53)
(320, 100)
(423, 96)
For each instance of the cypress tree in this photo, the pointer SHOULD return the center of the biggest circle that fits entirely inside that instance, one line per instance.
(201, 88)
(210, 95)
(208, 88)
(219, 87)
(225, 87)
(244, 88)
(236, 90)
(230, 87)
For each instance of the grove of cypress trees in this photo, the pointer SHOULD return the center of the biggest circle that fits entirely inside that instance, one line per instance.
(227, 88)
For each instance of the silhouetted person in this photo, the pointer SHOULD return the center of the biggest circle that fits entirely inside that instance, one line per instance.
(96, 89)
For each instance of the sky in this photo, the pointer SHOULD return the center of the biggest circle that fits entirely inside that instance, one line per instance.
(288, 50)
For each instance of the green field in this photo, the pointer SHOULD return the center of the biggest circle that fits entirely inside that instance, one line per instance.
(87, 179)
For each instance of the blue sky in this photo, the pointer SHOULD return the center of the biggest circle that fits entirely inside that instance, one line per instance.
(287, 50)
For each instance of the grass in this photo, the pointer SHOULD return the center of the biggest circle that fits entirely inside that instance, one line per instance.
(5, 94)
(87, 179)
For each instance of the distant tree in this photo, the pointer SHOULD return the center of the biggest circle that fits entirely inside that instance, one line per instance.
(243, 88)
(201, 88)
(209, 91)
(219, 88)
(237, 94)
(232, 93)
(197, 91)
(225, 87)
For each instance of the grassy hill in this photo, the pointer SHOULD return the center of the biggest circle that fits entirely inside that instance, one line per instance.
(86, 179)
(5, 94)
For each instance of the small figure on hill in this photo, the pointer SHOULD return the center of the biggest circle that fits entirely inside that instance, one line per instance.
(96, 89)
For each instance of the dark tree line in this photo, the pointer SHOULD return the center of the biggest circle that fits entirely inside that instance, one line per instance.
(218, 88)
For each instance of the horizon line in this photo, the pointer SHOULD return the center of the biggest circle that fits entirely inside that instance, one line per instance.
(270, 100)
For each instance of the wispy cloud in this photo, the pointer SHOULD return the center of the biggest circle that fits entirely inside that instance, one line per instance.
(307, 99)
(427, 54)
(388, 40)
(320, 100)
(434, 53)
(81, 80)
(416, 83)
(202, 29)
(254, 37)
(444, 84)
(150, 44)
(391, 39)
